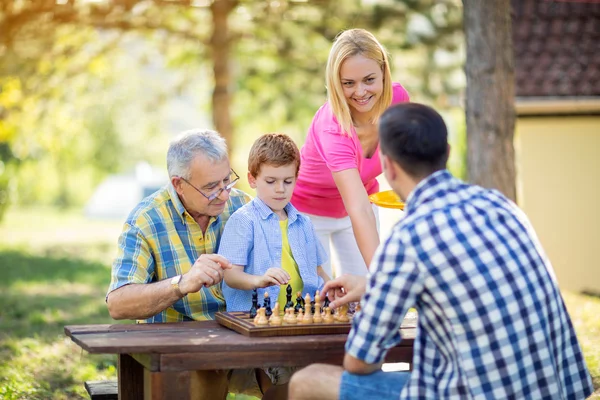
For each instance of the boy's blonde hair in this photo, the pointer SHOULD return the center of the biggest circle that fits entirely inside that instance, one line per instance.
(347, 44)
(276, 149)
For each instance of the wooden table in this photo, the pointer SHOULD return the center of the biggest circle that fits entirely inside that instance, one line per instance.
(159, 361)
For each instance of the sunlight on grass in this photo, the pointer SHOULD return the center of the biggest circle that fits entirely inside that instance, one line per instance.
(56, 269)
(585, 314)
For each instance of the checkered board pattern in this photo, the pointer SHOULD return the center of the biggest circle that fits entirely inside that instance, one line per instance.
(241, 322)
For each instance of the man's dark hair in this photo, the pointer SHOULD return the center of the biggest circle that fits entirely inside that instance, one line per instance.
(415, 136)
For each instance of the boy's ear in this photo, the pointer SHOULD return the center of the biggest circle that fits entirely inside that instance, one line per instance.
(251, 181)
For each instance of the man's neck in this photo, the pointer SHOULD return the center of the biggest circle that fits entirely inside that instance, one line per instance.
(202, 220)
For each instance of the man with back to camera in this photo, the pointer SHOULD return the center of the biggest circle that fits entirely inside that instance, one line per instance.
(492, 322)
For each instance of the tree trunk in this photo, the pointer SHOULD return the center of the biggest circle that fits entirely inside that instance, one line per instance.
(220, 49)
(490, 95)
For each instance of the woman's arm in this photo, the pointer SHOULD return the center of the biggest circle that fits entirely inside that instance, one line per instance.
(360, 210)
(321, 272)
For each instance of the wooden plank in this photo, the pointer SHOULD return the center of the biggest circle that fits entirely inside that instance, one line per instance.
(102, 390)
(264, 357)
(171, 386)
(253, 359)
(202, 337)
(71, 330)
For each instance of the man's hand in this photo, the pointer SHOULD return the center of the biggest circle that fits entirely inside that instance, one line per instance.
(273, 276)
(345, 289)
(208, 270)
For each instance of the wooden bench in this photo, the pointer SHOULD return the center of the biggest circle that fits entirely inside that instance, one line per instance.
(102, 390)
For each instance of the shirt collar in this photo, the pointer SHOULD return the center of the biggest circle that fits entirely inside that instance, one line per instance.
(427, 188)
(265, 212)
(177, 202)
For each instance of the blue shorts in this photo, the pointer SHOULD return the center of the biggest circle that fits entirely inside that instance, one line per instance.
(377, 386)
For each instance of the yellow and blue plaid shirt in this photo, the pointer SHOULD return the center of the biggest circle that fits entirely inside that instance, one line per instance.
(160, 240)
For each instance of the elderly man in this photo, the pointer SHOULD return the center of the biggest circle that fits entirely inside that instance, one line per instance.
(166, 269)
(492, 322)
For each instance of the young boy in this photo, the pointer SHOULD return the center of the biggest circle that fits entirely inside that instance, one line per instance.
(269, 243)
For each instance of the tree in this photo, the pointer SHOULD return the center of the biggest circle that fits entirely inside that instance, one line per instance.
(490, 95)
(267, 61)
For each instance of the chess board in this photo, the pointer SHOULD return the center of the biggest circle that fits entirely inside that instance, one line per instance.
(241, 322)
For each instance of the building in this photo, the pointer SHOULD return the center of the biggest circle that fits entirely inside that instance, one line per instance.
(557, 140)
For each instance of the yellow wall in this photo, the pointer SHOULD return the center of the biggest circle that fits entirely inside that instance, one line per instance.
(558, 164)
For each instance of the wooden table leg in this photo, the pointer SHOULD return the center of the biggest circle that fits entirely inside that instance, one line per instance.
(131, 378)
(187, 385)
(208, 385)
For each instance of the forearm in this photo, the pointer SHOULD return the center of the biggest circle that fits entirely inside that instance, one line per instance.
(238, 279)
(359, 367)
(364, 227)
(321, 272)
(141, 301)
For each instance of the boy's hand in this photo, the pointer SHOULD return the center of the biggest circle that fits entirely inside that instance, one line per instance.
(273, 276)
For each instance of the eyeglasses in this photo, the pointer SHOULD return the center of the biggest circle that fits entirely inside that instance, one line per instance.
(233, 178)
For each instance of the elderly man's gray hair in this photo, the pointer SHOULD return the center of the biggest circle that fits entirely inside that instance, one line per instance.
(185, 147)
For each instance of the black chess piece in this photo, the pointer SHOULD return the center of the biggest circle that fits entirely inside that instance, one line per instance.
(326, 303)
(267, 305)
(255, 306)
(312, 307)
(299, 303)
(288, 296)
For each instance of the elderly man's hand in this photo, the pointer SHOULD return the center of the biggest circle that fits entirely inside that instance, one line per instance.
(208, 270)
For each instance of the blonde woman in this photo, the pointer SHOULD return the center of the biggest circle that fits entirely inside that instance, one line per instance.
(340, 158)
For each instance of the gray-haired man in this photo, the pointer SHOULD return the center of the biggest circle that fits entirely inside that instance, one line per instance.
(166, 269)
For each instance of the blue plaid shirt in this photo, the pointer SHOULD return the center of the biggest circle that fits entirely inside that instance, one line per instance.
(252, 238)
(492, 323)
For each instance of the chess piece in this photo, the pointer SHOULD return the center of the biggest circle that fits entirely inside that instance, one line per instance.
(255, 306)
(262, 317)
(313, 304)
(299, 303)
(300, 316)
(326, 302)
(308, 315)
(291, 317)
(286, 315)
(288, 296)
(267, 304)
(275, 318)
(358, 308)
(318, 318)
(343, 314)
(328, 318)
(307, 300)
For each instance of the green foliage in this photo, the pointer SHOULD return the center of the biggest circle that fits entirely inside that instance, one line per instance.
(74, 105)
(457, 132)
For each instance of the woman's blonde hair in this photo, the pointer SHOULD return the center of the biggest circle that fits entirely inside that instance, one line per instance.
(347, 44)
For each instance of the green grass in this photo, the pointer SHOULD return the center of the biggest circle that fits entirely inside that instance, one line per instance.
(55, 269)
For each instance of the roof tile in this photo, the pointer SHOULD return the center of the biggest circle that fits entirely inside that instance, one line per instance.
(556, 47)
